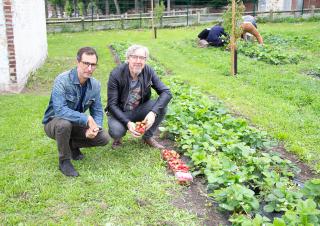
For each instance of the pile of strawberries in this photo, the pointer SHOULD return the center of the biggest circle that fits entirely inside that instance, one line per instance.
(177, 166)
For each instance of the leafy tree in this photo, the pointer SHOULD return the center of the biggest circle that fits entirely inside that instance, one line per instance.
(92, 8)
(68, 8)
(158, 12)
(81, 8)
(227, 18)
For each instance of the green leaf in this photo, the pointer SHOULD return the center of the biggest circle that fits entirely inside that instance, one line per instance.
(268, 208)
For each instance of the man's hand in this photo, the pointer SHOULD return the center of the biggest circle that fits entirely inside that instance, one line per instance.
(132, 129)
(93, 129)
(149, 119)
(92, 133)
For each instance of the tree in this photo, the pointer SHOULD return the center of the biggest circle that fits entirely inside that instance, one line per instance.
(68, 8)
(107, 9)
(117, 6)
(158, 13)
(92, 8)
(81, 8)
(136, 6)
(227, 18)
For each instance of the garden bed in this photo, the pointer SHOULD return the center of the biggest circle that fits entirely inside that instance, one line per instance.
(238, 161)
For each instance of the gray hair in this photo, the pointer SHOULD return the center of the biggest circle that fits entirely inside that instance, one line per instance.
(135, 47)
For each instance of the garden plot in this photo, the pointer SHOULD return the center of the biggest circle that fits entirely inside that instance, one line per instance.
(244, 176)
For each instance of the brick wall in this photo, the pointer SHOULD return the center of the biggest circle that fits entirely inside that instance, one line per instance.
(23, 40)
(7, 9)
(4, 61)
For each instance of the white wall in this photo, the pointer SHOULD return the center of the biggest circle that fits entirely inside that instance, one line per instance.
(275, 5)
(30, 37)
(30, 42)
(4, 63)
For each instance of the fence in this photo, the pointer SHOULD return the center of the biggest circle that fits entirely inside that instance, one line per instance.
(140, 15)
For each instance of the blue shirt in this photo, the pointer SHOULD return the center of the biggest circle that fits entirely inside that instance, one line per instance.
(66, 96)
(83, 90)
(215, 33)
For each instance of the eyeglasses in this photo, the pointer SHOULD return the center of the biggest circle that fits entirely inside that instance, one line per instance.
(87, 64)
(135, 57)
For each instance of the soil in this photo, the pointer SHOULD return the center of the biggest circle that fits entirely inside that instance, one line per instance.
(194, 197)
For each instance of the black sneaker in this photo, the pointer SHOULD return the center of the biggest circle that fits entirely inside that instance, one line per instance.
(67, 168)
(77, 154)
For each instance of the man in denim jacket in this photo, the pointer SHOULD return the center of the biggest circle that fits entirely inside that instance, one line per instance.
(73, 93)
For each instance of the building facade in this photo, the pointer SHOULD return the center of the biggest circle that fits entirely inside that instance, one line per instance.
(23, 41)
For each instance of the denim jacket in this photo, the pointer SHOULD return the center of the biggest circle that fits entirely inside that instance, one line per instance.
(65, 97)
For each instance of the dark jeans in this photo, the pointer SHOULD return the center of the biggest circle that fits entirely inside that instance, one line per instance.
(70, 136)
(118, 130)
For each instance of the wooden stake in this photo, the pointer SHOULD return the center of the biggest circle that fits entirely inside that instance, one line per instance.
(152, 22)
(233, 39)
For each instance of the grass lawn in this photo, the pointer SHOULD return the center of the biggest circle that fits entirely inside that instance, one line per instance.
(130, 186)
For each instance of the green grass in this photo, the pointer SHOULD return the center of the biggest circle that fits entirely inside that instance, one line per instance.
(130, 186)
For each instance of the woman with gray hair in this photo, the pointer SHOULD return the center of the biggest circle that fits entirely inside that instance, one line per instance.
(129, 98)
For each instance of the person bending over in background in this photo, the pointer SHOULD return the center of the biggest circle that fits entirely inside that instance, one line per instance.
(249, 25)
(74, 92)
(129, 92)
(215, 36)
(202, 38)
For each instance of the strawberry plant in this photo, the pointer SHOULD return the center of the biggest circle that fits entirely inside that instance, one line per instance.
(268, 53)
(236, 198)
(247, 220)
(282, 198)
(306, 213)
(311, 189)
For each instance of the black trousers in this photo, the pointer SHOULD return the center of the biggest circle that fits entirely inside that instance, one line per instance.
(70, 136)
(118, 130)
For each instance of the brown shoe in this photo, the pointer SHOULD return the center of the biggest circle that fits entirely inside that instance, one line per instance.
(116, 143)
(153, 143)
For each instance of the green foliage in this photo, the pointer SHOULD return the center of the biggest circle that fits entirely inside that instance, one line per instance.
(68, 8)
(158, 13)
(282, 198)
(311, 189)
(236, 198)
(57, 2)
(246, 220)
(271, 54)
(227, 19)
(306, 213)
(81, 7)
(92, 8)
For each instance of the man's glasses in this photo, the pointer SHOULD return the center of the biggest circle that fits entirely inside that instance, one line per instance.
(135, 57)
(93, 65)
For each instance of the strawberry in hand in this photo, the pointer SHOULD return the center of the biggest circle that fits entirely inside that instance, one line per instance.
(140, 127)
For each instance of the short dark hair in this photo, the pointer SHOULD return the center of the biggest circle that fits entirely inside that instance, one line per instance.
(87, 50)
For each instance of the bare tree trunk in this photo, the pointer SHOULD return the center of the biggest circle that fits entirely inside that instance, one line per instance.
(117, 6)
(136, 6)
(107, 7)
(46, 7)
